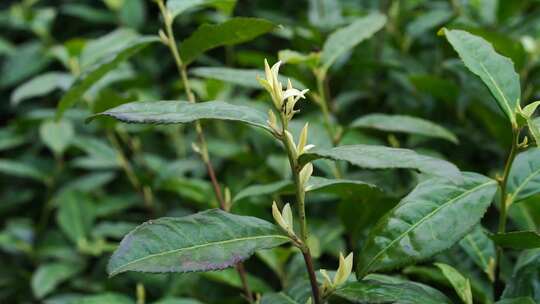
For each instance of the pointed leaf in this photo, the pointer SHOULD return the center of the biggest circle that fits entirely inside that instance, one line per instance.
(346, 38)
(20, 169)
(57, 135)
(496, 71)
(208, 240)
(99, 70)
(517, 239)
(480, 249)
(41, 85)
(371, 291)
(524, 178)
(405, 124)
(461, 285)
(380, 157)
(525, 277)
(174, 112)
(233, 31)
(417, 228)
(48, 276)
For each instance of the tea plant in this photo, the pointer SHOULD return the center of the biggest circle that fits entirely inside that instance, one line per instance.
(254, 187)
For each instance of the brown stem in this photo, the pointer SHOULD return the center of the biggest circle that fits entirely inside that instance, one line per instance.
(182, 70)
(312, 277)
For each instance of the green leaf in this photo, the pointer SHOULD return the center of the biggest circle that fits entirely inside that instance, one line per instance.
(525, 277)
(57, 135)
(481, 250)
(231, 278)
(461, 285)
(417, 228)
(177, 301)
(48, 276)
(346, 38)
(380, 157)
(497, 72)
(233, 31)
(41, 85)
(341, 187)
(75, 215)
(16, 67)
(176, 7)
(405, 124)
(108, 297)
(20, 169)
(524, 177)
(174, 112)
(427, 22)
(405, 292)
(241, 77)
(98, 70)
(517, 239)
(208, 240)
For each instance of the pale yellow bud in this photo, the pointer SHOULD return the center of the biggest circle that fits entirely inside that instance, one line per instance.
(290, 141)
(305, 174)
(277, 216)
(303, 139)
(272, 120)
(344, 269)
(287, 216)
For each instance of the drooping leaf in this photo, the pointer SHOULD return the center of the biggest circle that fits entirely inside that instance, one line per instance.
(380, 157)
(208, 240)
(497, 72)
(524, 178)
(242, 77)
(176, 7)
(48, 276)
(174, 112)
(417, 228)
(346, 38)
(461, 285)
(405, 124)
(57, 135)
(372, 291)
(517, 239)
(320, 184)
(41, 85)
(233, 31)
(99, 70)
(525, 277)
(481, 250)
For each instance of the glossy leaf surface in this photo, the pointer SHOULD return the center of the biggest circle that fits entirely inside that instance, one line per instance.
(524, 178)
(517, 239)
(461, 285)
(417, 228)
(174, 112)
(480, 249)
(381, 157)
(208, 240)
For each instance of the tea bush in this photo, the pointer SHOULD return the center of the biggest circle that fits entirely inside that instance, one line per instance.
(224, 151)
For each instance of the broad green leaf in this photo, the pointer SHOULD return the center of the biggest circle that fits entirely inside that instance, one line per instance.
(418, 227)
(461, 285)
(48, 276)
(108, 297)
(57, 135)
(16, 67)
(372, 291)
(75, 215)
(208, 240)
(176, 7)
(525, 277)
(405, 124)
(98, 70)
(233, 31)
(346, 38)
(480, 249)
(524, 178)
(20, 169)
(41, 85)
(101, 47)
(517, 239)
(278, 298)
(497, 72)
(241, 77)
(320, 184)
(174, 112)
(380, 157)
(10, 138)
